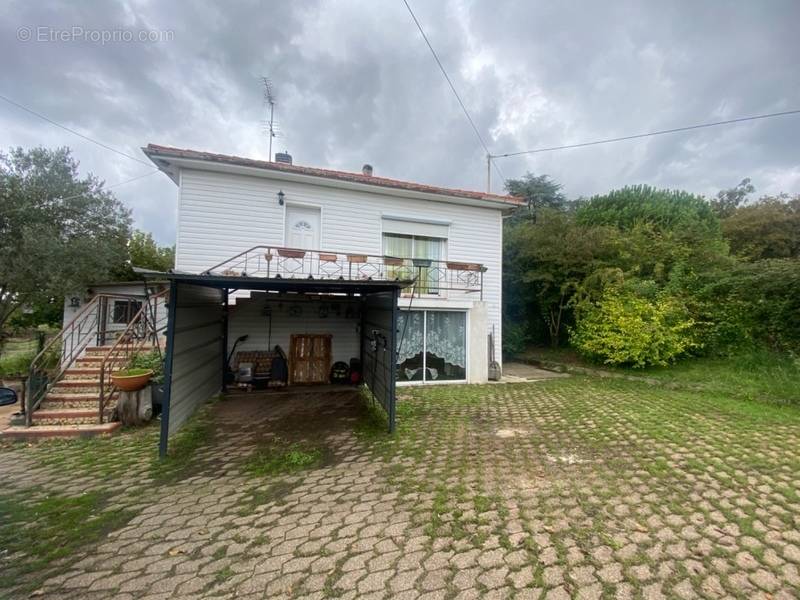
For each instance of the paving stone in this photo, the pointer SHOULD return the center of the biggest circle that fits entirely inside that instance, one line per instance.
(514, 510)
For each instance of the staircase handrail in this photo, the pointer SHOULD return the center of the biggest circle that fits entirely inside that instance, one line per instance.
(122, 349)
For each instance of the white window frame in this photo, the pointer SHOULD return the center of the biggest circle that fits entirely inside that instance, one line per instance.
(441, 292)
(424, 381)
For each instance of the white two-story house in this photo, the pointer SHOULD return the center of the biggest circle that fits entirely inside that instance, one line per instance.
(280, 222)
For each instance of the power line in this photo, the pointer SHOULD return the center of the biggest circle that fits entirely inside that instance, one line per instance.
(65, 128)
(489, 155)
(108, 187)
(650, 134)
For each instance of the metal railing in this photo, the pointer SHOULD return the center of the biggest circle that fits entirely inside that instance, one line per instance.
(142, 332)
(88, 326)
(432, 276)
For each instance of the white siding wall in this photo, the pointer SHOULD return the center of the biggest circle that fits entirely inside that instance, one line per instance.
(222, 214)
(247, 318)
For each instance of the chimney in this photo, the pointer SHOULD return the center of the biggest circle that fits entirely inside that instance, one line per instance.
(283, 158)
(367, 170)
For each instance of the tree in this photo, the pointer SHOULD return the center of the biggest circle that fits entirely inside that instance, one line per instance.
(665, 210)
(145, 253)
(727, 201)
(58, 232)
(770, 228)
(545, 262)
(540, 191)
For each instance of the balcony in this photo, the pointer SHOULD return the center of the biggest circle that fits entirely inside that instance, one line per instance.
(431, 277)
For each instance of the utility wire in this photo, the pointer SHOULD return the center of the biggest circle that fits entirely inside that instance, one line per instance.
(453, 87)
(652, 133)
(65, 128)
(108, 187)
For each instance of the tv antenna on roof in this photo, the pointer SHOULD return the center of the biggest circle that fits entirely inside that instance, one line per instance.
(269, 98)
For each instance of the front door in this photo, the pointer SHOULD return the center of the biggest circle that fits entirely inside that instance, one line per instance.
(302, 227)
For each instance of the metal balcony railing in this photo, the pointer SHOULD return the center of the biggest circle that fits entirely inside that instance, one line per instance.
(431, 277)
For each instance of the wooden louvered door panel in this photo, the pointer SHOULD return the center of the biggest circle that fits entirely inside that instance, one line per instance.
(309, 358)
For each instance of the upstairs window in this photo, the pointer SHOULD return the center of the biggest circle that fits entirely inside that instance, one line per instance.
(421, 247)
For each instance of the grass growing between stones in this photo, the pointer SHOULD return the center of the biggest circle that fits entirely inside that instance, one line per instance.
(183, 447)
(279, 458)
(34, 534)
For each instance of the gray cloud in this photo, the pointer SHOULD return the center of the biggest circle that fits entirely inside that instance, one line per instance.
(356, 84)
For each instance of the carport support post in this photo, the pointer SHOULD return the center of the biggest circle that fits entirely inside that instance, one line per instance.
(224, 385)
(173, 301)
(393, 361)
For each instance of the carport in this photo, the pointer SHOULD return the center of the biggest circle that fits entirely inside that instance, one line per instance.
(198, 330)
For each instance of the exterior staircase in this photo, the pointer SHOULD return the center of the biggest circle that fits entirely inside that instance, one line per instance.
(77, 398)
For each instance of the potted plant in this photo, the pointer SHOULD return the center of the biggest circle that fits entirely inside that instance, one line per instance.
(131, 379)
(153, 362)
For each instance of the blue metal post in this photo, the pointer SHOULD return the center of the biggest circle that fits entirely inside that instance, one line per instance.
(173, 300)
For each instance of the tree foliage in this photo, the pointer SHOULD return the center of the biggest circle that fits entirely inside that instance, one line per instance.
(540, 191)
(769, 228)
(663, 210)
(727, 201)
(545, 262)
(144, 252)
(626, 328)
(58, 231)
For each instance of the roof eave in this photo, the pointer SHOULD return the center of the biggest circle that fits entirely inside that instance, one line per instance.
(171, 164)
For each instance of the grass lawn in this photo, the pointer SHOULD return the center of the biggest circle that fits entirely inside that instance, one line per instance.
(758, 375)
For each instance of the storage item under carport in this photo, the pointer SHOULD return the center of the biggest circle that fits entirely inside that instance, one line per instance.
(309, 358)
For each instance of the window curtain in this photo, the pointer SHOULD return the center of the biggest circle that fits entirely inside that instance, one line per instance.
(398, 246)
(446, 345)
(430, 248)
(410, 345)
(431, 346)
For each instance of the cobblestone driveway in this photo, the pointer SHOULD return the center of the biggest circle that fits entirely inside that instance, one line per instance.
(568, 488)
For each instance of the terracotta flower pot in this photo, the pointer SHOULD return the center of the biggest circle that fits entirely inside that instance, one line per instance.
(460, 266)
(289, 253)
(393, 262)
(130, 383)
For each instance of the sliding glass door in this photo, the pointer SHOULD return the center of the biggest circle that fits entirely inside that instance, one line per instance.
(432, 346)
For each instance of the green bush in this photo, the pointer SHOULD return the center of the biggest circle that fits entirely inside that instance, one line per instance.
(751, 304)
(16, 364)
(624, 328)
(149, 361)
(515, 339)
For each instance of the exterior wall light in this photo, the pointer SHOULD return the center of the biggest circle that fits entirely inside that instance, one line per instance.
(281, 196)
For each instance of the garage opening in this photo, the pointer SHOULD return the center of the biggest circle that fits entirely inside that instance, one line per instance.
(234, 331)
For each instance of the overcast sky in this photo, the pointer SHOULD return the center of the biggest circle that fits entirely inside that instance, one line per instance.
(355, 83)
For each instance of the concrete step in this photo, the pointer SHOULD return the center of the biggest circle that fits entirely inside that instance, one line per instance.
(74, 396)
(87, 361)
(91, 405)
(100, 351)
(66, 416)
(83, 372)
(68, 386)
(59, 431)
